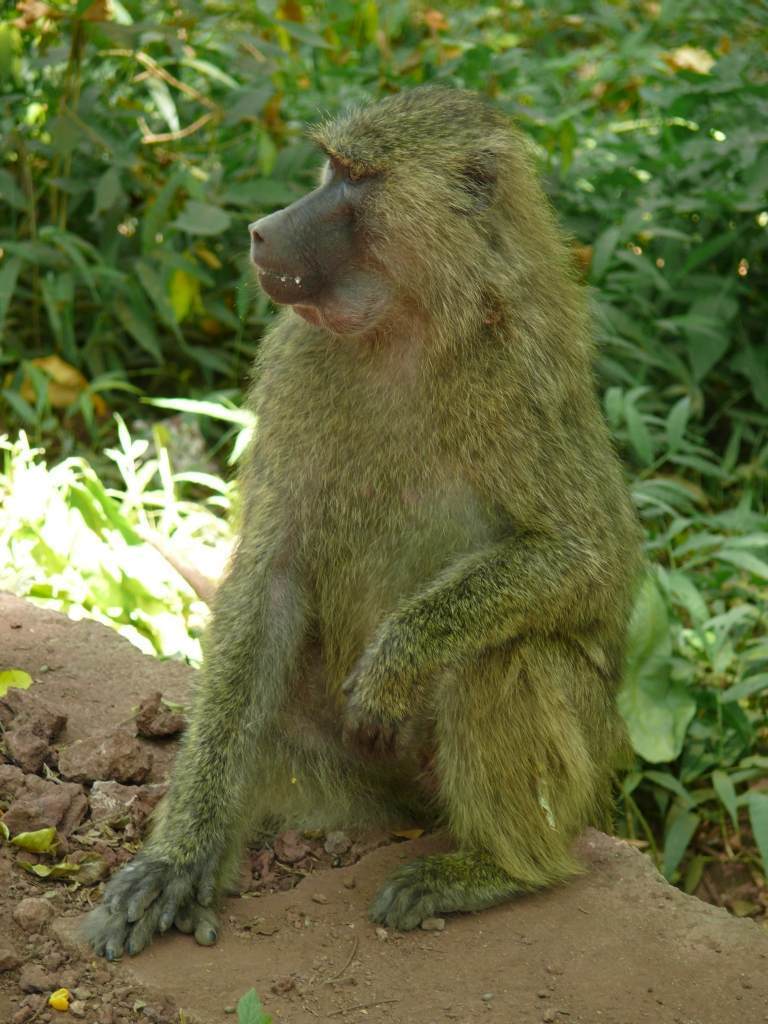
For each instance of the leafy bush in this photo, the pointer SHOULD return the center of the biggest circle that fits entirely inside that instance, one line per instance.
(140, 142)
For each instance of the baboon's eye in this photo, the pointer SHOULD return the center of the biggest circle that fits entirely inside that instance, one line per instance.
(478, 179)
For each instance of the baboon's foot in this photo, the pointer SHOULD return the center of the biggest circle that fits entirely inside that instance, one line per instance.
(439, 885)
(149, 895)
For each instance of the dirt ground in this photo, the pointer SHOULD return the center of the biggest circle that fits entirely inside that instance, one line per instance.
(617, 946)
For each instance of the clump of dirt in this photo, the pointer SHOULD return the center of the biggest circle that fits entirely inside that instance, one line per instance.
(87, 751)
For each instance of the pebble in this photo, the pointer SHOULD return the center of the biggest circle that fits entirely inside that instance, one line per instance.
(337, 843)
(318, 897)
(33, 914)
(549, 1016)
(8, 959)
(433, 924)
(229, 1009)
(77, 1008)
(382, 934)
(487, 997)
(349, 883)
(34, 979)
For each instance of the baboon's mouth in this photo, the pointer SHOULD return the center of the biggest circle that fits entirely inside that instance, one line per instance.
(286, 288)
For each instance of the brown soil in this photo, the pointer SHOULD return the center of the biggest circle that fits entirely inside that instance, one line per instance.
(618, 945)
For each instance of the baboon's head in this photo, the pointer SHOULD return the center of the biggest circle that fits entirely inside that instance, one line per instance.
(423, 209)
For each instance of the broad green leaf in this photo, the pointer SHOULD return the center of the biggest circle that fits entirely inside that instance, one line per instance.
(250, 1010)
(108, 191)
(139, 326)
(676, 839)
(656, 708)
(758, 818)
(671, 783)
(41, 841)
(161, 94)
(727, 792)
(14, 677)
(202, 219)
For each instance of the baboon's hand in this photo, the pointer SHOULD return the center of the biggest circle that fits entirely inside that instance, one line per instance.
(149, 895)
(370, 725)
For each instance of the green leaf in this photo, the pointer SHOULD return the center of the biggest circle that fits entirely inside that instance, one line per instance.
(750, 563)
(602, 250)
(41, 841)
(244, 417)
(8, 276)
(758, 819)
(656, 708)
(250, 1010)
(639, 435)
(5, 832)
(11, 192)
(726, 790)
(706, 251)
(202, 219)
(108, 191)
(676, 839)
(139, 326)
(744, 689)
(14, 677)
(677, 421)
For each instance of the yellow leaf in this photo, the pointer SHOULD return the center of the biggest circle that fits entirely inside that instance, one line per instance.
(408, 833)
(209, 258)
(64, 385)
(59, 999)
(15, 677)
(184, 293)
(4, 830)
(690, 58)
(41, 841)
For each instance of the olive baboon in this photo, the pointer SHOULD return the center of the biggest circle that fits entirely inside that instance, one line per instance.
(426, 612)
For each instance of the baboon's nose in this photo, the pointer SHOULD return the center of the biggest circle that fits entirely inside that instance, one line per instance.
(254, 230)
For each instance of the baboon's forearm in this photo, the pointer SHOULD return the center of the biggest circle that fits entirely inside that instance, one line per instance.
(252, 650)
(533, 582)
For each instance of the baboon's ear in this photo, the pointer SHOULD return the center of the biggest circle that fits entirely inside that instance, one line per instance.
(478, 179)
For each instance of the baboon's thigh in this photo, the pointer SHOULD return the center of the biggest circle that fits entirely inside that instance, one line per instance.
(522, 748)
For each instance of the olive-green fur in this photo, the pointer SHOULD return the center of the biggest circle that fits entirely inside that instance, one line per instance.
(436, 510)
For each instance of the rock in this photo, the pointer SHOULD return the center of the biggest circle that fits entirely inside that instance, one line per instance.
(433, 924)
(40, 803)
(8, 960)
(318, 897)
(111, 800)
(20, 708)
(337, 843)
(77, 1008)
(11, 780)
(118, 756)
(290, 847)
(33, 914)
(26, 749)
(262, 865)
(382, 934)
(155, 719)
(34, 979)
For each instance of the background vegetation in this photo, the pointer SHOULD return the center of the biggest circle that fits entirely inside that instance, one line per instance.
(139, 138)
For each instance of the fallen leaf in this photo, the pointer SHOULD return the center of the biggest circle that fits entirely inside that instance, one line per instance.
(41, 841)
(14, 677)
(407, 833)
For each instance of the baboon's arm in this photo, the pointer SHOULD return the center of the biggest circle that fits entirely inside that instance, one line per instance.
(252, 647)
(530, 581)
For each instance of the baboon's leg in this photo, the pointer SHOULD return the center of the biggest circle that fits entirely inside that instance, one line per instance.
(519, 777)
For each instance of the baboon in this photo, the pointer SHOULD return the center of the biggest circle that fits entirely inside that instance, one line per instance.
(426, 612)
